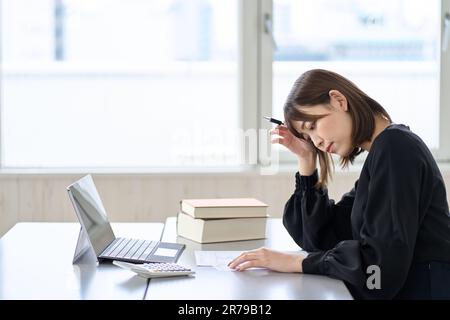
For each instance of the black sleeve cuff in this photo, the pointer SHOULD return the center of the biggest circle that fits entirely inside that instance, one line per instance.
(314, 263)
(306, 182)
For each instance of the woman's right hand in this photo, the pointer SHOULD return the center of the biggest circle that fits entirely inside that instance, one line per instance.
(302, 148)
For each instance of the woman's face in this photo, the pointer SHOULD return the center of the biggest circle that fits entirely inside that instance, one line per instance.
(332, 133)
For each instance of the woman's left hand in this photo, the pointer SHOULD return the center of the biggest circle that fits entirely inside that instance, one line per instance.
(271, 259)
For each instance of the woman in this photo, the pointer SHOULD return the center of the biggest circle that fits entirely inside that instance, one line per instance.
(395, 221)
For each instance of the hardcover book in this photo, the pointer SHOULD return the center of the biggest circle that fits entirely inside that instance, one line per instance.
(224, 208)
(218, 230)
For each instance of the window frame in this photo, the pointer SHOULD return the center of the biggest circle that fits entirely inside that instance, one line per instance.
(443, 153)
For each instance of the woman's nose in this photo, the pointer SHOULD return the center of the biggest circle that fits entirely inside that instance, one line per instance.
(318, 142)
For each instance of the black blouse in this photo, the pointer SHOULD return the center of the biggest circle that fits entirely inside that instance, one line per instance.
(395, 216)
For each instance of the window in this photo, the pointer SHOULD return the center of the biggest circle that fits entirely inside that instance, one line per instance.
(110, 83)
(389, 48)
(175, 83)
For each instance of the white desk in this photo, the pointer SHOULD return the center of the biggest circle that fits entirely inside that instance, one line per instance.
(36, 263)
(211, 284)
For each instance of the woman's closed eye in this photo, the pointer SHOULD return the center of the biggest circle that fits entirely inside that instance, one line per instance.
(311, 125)
(308, 126)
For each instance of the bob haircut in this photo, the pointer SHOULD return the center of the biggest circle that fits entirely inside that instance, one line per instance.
(312, 88)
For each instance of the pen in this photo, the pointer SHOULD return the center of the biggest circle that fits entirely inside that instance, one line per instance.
(279, 122)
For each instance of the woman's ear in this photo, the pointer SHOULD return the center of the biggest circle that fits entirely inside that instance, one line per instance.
(338, 100)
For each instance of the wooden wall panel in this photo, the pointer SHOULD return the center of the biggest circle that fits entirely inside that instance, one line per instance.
(9, 203)
(147, 197)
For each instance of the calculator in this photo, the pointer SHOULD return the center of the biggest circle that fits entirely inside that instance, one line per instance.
(155, 270)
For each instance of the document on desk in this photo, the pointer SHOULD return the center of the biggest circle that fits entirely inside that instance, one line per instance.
(216, 259)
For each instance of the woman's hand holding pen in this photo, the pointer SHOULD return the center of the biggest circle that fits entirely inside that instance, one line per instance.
(304, 150)
(300, 147)
(267, 258)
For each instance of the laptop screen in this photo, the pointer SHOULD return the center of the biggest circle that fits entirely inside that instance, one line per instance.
(91, 213)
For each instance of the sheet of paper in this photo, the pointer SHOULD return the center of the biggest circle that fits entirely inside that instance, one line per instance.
(216, 259)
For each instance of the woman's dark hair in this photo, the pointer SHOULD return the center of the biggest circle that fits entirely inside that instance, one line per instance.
(313, 88)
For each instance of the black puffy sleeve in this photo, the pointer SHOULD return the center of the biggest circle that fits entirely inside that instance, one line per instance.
(313, 220)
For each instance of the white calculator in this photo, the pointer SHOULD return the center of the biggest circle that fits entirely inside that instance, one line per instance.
(155, 270)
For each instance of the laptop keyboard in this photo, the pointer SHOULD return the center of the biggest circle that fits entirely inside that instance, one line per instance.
(130, 249)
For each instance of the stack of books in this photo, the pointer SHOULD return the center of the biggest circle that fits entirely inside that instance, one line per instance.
(217, 220)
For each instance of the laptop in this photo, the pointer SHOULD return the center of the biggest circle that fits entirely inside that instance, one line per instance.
(96, 232)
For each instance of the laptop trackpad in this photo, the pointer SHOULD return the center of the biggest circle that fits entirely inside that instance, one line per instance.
(165, 252)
